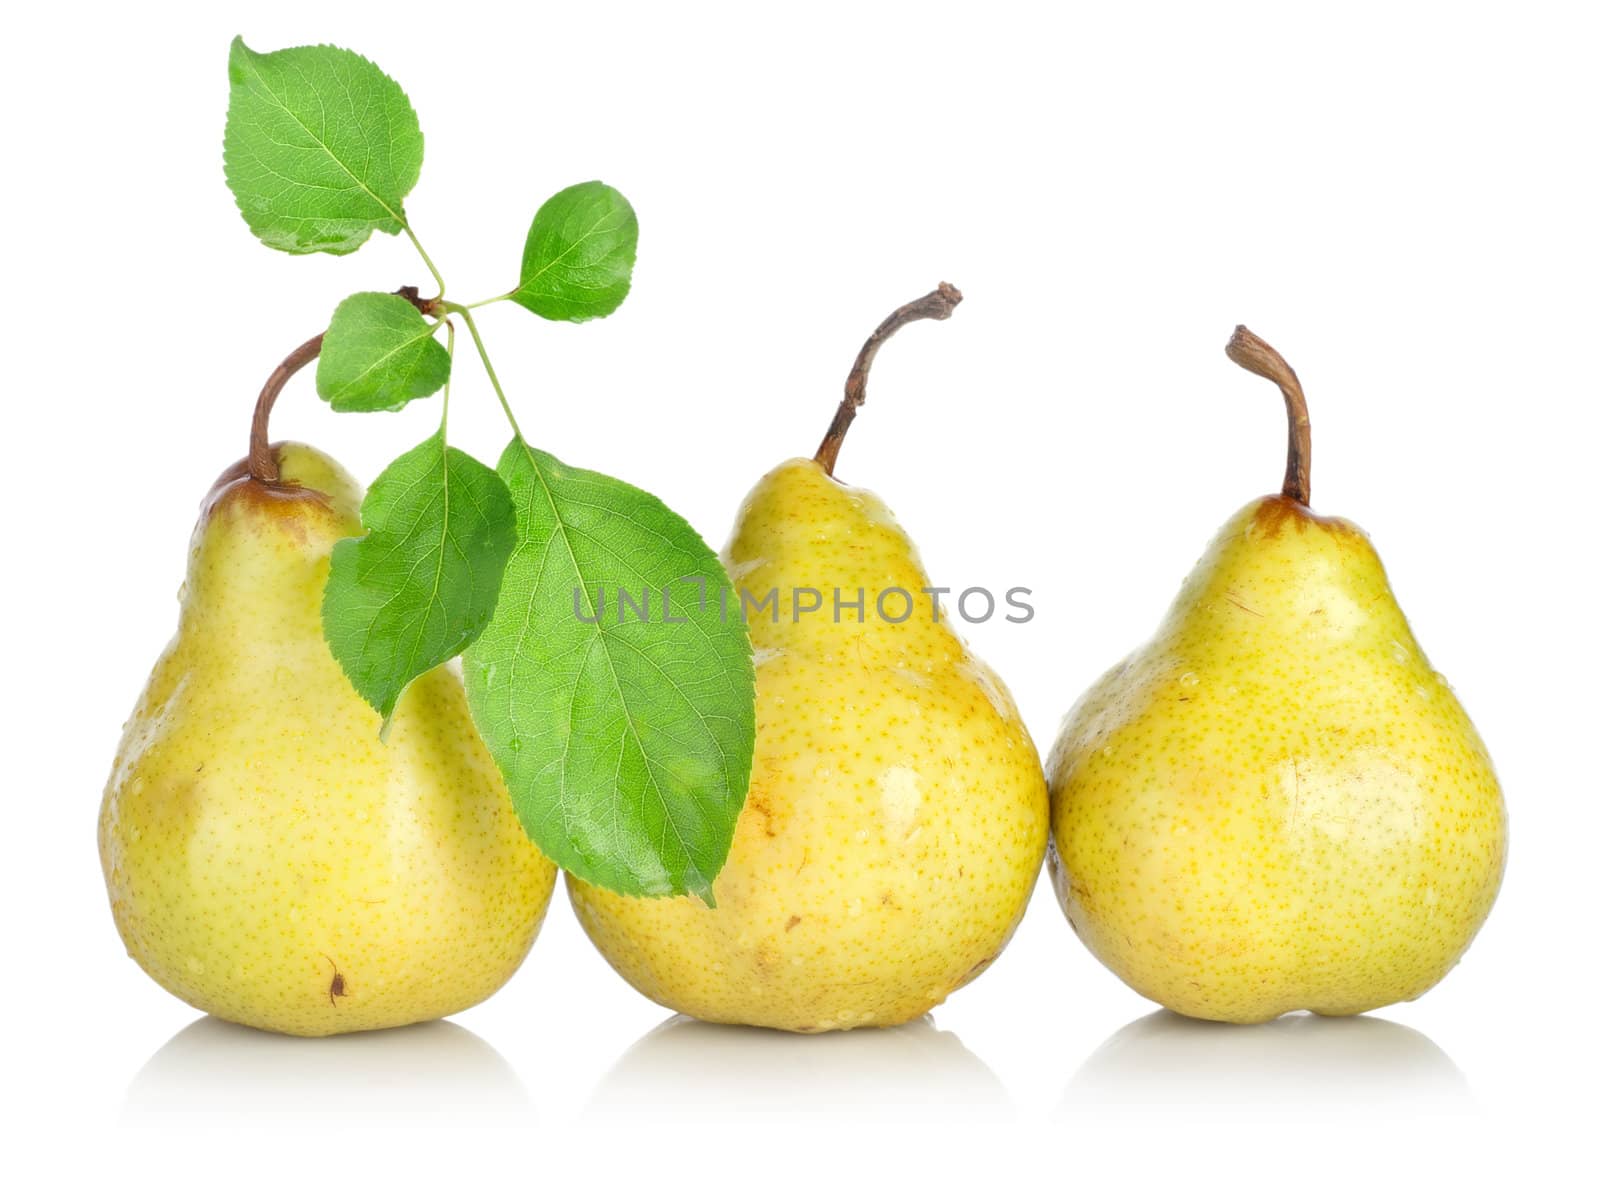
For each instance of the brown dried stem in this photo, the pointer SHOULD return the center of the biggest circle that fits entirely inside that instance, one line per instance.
(1255, 356)
(262, 462)
(935, 306)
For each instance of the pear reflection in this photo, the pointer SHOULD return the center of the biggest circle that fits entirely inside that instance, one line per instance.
(1294, 1065)
(212, 1069)
(685, 1068)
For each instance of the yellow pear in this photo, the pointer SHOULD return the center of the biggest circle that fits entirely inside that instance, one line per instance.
(897, 813)
(1276, 803)
(268, 858)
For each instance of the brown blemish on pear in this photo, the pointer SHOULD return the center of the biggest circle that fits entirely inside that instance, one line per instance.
(282, 500)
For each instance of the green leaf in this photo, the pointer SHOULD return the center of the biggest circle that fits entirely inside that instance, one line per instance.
(626, 744)
(422, 583)
(379, 354)
(578, 259)
(320, 149)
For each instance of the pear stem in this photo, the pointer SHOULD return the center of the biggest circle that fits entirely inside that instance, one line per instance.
(1255, 356)
(262, 463)
(935, 306)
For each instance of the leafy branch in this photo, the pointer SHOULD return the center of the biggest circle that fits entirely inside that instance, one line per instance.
(507, 567)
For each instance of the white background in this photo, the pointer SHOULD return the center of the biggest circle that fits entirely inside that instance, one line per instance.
(1402, 198)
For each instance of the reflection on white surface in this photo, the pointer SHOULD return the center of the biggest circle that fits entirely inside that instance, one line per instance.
(1294, 1066)
(438, 1070)
(684, 1069)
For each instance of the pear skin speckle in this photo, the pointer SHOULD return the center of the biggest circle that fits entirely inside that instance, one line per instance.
(1276, 804)
(269, 860)
(897, 812)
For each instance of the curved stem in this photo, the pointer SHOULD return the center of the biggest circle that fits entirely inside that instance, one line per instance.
(438, 279)
(263, 465)
(935, 306)
(1255, 356)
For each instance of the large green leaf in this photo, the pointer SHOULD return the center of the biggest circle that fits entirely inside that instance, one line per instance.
(626, 743)
(320, 148)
